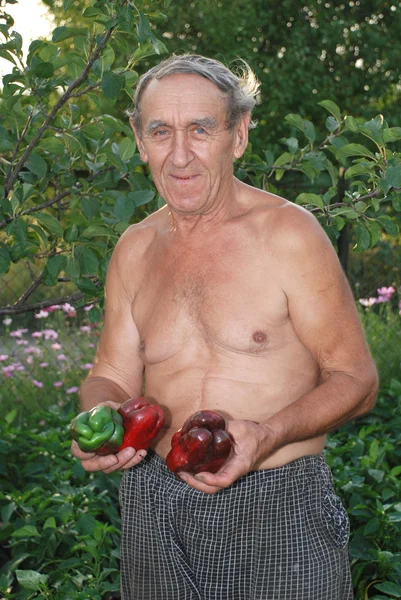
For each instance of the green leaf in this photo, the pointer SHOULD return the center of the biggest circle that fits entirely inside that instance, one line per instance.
(389, 225)
(362, 238)
(27, 531)
(31, 580)
(332, 108)
(388, 587)
(67, 4)
(124, 208)
(50, 523)
(392, 134)
(112, 84)
(127, 149)
(375, 233)
(94, 314)
(393, 176)
(88, 260)
(88, 287)
(312, 199)
(53, 145)
(53, 268)
(6, 145)
(97, 230)
(351, 123)
(44, 70)
(354, 150)
(37, 165)
(5, 258)
(142, 197)
(373, 129)
(50, 223)
(396, 201)
(130, 79)
(64, 33)
(332, 124)
(358, 169)
(283, 159)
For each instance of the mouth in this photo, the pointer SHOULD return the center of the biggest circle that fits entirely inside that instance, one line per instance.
(181, 178)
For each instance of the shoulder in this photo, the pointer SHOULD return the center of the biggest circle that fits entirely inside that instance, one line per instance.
(285, 226)
(137, 239)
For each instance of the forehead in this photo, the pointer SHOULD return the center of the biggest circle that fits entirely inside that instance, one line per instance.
(182, 95)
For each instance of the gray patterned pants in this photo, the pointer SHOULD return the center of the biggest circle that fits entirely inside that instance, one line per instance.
(276, 534)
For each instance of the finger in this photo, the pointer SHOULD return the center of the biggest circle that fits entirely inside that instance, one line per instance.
(127, 459)
(78, 453)
(198, 484)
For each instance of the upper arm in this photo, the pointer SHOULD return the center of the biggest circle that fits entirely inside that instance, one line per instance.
(117, 357)
(320, 302)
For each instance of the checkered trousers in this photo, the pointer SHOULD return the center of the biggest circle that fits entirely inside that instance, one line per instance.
(276, 534)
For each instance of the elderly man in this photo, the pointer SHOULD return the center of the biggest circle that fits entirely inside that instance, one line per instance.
(231, 299)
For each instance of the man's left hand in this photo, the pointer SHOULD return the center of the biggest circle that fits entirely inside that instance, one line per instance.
(250, 443)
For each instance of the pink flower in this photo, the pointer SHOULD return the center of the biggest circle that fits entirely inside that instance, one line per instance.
(56, 346)
(20, 368)
(69, 310)
(87, 308)
(50, 334)
(42, 314)
(38, 384)
(87, 366)
(29, 360)
(57, 384)
(7, 321)
(33, 350)
(85, 329)
(61, 357)
(367, 301)
(386, 291)
(37, 334)
(8, 369)
(72, 390)
(399, 306)
(3, 357)
(18, 333)
(53, 307)
(91, 345)
(44, 364)
(42, 422)
(21, 342)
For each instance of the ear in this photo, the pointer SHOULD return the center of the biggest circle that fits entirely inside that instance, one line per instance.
(241, 136)
(139, 142)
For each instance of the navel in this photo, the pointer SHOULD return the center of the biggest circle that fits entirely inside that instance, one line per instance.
(142, 346)
(259, 337)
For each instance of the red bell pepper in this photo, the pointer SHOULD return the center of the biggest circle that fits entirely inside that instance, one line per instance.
(142, 421)
(202, 444)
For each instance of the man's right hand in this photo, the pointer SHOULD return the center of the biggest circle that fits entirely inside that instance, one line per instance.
(127, 458)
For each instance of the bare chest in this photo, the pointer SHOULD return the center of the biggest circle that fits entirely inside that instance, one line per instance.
(194, 303)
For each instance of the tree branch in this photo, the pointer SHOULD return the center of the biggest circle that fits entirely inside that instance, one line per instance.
(14, 310)
(66, 96)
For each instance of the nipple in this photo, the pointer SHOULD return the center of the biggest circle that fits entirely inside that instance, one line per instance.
(259, 337)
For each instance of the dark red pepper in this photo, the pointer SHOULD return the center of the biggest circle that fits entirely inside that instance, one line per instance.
(202, 444)
(142, 421)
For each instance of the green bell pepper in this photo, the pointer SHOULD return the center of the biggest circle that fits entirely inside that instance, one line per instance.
(99, 430)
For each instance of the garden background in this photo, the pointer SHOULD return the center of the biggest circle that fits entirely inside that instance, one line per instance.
(71, 181)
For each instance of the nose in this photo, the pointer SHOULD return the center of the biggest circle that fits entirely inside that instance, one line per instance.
(181, 153)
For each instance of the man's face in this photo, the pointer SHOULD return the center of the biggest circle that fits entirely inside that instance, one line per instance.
(185, 140)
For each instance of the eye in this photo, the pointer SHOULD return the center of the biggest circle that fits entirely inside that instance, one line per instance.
(200, 130)
(160, 132)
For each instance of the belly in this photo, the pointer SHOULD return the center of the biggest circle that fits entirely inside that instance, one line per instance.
(239, 387)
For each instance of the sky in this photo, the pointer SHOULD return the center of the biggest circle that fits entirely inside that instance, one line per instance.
(32, 21)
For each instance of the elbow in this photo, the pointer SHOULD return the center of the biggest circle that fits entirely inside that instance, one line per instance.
(371, 389)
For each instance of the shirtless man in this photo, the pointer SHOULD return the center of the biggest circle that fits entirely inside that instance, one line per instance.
(230, 299)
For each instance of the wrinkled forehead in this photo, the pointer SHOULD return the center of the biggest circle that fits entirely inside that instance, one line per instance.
(182, 92)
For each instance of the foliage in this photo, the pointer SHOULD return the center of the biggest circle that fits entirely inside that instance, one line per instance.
(71, 180)
(302, 53)
(60, 527)
(365, 457)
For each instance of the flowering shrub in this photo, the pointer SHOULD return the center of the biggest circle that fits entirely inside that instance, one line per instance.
(53, 358)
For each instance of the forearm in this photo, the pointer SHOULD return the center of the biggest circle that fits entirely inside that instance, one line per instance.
(334, 402)
(95, 390)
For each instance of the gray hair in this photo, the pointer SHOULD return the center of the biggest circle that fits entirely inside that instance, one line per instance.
(241, 88)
